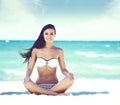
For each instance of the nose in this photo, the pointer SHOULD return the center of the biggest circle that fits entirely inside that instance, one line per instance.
(49, 36)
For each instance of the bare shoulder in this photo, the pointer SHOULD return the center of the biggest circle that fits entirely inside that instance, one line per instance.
(59, 50)
(35, 50)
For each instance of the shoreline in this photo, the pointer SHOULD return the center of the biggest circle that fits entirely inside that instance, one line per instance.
(78, 85)
(89, 91)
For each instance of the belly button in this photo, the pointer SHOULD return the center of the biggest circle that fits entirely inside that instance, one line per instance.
(47, 78)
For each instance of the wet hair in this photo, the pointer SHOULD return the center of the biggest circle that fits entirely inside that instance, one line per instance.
(39, 43)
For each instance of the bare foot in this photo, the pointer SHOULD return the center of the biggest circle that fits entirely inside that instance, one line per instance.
(64, 94)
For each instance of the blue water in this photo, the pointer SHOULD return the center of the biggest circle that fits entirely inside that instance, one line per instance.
(86, 59)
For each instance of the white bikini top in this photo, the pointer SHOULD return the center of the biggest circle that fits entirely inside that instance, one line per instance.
(50, 62)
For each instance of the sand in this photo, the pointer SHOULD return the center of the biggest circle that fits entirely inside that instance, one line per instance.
(83, 92)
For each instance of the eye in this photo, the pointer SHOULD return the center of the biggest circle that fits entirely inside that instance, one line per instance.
(51, 34)
(46, 33)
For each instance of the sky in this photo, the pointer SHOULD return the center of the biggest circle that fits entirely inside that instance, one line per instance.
(73, 19)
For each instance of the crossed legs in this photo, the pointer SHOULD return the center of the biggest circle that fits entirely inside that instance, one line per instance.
(59, 88)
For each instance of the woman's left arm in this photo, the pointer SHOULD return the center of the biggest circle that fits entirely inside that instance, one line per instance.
(62, 64)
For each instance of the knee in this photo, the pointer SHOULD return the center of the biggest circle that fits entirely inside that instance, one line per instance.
(27, 84)
(70, 78)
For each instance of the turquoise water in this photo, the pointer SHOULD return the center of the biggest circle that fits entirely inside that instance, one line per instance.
(86, 59)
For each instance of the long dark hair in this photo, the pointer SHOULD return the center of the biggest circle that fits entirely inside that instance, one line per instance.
(39, 43)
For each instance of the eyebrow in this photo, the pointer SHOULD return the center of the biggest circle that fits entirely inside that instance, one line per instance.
(50, 33)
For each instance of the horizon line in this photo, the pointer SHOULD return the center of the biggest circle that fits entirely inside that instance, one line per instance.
(7, 40)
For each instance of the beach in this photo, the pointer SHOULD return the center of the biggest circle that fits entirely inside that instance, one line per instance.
(83, 91)
(96, 71)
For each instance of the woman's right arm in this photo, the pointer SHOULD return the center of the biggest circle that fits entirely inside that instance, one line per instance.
(30, 65)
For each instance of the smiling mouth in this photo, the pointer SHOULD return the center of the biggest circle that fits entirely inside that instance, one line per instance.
(49, 39)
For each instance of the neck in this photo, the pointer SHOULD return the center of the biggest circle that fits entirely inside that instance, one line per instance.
(48, 45)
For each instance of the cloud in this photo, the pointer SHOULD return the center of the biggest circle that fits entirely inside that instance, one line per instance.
(114, 9)
(102, 27)
(14, 11)
(18, 18)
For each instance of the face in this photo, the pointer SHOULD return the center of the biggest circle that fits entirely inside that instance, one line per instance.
(49, 35)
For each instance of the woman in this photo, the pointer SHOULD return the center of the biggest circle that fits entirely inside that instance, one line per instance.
(45, 56)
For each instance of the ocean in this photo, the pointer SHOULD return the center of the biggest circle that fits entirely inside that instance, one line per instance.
(85, 59)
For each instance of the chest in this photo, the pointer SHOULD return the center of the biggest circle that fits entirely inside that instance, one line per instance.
(47, 53)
